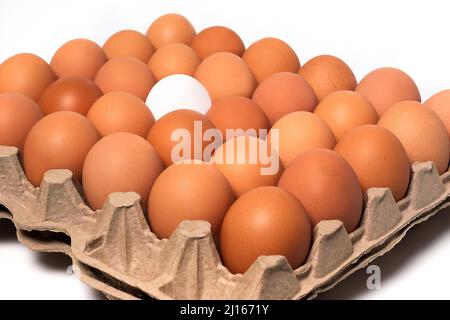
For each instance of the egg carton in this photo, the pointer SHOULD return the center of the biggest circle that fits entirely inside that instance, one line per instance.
(114, 251)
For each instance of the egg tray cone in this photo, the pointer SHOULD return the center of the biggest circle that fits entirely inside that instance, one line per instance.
(114, 251)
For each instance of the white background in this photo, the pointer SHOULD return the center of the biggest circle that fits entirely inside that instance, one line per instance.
(410, 35)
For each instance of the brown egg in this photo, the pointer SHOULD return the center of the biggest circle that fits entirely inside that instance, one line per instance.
(298, 132)
(129, 43)
(80, 58)
(160, 135)
(263, 222)
(284, 93)
(225, 74)
(126, 74)
(18, 114)
(248, 163)
(121, 112)
(327, 74)
(170, 28)
(60, 140)
(235, 112)
(346, 110)
(378, 159)
(174, 58)
(120, 162)
(188, 191)
(70, 94)
(217, 39)
(421, 132)
(385, 87)
(440, 104)
(27, 74)
(327, 187)
(269, 56)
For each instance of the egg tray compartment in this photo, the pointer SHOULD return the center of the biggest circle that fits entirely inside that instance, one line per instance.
(114, 251)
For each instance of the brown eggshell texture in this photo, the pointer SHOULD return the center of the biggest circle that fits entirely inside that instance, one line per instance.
(268, 56)
(301, 131)
(129, 43)
(378, 159)
(346, 110)
(60, 140)
(217, 39)
(18, 114)
(160, 135)
(27, 74)
(284, 93)
(78, 58)
(235, 112)
(327, 74)
(70, 94)
(170, 28)
(126, 74)
(240, 161)
(225, 74)
(188, 191)
(327, 187)
(385, 87)
(120, 162)
(121, 112)
(262, 222)
(174, 58)
(440, 104)
(421, 132)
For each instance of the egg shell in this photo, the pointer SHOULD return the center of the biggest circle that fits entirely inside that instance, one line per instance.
(327, 74)
(27, 74)
(346, 110)
(326, 185)
(226, 74)
(440, 104)
(284, 93)
(126, 74)
(421, 132)
(235, 112)
(268, 56)
(121, 112)
(378, 159)
(262, 222)
(217, 39)
(129, 43)
(80, 58)
(160, 135)
(70, 94)
(60, 140)
(174, 58)
(178, 91)
(301, 131)
(170, 28)
(385, 87)
(120, 162)
(239, 159)
(188, 191)
(18, 114)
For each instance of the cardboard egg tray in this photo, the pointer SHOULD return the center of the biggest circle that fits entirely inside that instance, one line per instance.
(114, 251)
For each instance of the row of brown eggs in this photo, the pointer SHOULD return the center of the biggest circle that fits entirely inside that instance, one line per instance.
(113, 143)
(216, 56)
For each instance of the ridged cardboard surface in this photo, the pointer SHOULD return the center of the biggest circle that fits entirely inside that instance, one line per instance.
(113, 249)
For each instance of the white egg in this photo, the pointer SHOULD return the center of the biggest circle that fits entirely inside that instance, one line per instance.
(178, 91)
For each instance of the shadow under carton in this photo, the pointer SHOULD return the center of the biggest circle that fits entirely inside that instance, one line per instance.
(114, 251)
